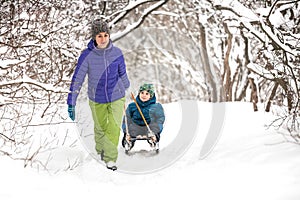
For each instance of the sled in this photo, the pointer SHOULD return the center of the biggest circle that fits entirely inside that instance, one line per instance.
(147, 136)
(128, 145)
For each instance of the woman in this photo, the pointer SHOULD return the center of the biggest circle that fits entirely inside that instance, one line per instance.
(107, 81)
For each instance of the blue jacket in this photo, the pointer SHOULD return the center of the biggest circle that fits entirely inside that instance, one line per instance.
(152, 111)
(106, 70)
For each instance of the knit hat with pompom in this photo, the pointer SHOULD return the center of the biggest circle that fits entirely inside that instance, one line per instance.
(148, 87)
(99, 26)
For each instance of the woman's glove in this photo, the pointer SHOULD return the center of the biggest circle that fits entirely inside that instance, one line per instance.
(71, 111)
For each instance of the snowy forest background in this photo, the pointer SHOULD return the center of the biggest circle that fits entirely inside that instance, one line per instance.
(213, 51)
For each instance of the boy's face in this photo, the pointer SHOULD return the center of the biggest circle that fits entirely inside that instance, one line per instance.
(144, 95)
(102, 40)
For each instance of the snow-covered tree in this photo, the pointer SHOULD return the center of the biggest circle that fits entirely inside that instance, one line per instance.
(205, 50)
(39, 46)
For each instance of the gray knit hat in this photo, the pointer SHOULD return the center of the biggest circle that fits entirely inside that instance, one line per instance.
(98, 26)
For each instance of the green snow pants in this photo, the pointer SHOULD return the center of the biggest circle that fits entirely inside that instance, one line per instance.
(107, 122)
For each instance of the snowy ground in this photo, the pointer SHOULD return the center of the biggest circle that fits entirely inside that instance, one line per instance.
(248, 162)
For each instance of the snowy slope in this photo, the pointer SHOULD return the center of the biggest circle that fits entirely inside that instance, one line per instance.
(248, 162)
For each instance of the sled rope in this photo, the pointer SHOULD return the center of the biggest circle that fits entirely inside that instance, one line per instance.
(140, 111)
(125, 117)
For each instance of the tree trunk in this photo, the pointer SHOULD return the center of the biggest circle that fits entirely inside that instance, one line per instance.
(227, 70)
(271, 97)
(254, 97)
(207, 68)
(288, 93)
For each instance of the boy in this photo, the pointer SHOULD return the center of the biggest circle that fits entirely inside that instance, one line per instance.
(153, 113)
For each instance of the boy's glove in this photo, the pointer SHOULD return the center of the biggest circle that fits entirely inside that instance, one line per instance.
(71, 111)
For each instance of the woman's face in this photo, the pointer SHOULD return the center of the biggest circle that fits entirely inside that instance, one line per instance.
(102, 40)
(144, 96)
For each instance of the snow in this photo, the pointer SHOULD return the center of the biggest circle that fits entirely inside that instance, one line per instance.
(7, 63)
(245, 13)
(134, 25)
(3, 49)
(248, 162)
(260, 70)
(28, 80)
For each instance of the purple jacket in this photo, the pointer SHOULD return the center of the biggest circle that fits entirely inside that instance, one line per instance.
(106, 70)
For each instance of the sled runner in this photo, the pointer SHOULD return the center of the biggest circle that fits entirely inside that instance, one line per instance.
(128, 142)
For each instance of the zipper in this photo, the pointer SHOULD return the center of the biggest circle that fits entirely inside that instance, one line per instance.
(106, 77)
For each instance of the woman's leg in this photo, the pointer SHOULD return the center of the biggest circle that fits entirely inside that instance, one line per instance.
(115, 114)
(104, 145)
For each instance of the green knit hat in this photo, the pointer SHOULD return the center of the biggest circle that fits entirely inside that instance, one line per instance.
(148, 87)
